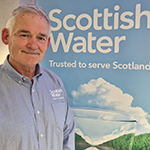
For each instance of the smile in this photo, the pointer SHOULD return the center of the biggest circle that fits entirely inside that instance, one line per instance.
(32, 53)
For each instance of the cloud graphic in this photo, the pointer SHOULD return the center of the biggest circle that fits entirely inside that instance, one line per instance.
(98, 93)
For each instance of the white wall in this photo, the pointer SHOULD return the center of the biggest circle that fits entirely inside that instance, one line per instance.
(7, 7)
(22, 2)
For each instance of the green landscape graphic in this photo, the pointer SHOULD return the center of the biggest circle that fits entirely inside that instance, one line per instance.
(125, 142)
(98, 129)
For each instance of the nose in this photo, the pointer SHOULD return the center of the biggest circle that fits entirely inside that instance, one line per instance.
(32, 43)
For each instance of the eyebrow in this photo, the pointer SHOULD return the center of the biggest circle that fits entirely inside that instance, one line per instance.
(43, 35)
(26, 31)
(23, 31)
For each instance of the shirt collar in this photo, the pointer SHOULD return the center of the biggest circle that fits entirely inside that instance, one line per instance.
(17, 76)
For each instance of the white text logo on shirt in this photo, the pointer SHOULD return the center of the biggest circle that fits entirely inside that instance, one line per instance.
(57, 93)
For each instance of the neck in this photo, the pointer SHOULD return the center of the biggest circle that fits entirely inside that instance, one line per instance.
(27, 71)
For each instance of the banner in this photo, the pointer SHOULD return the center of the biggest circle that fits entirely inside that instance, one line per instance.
(100, 49)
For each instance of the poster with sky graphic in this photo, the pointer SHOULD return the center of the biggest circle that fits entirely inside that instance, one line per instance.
(101, 51)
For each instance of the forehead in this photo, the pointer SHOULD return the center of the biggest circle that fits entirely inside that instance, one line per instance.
(31, 21)
(31, 15)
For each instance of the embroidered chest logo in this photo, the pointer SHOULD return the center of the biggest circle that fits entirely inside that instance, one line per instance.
(57, 93)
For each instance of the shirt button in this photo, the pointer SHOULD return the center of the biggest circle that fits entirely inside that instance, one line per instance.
(38, 112)
(20, 82)
(41, 135)
(24, 79)
(33, 90)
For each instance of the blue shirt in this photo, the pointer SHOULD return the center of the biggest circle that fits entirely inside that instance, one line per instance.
(34, 116)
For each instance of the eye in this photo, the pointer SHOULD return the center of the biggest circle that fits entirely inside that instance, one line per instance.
(42, 39)
(24, 35)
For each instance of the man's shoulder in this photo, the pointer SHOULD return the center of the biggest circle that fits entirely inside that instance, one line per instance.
(1, 68)
(51, 76)
(50, 73)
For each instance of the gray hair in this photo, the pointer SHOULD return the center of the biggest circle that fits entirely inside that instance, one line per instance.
(26, 9)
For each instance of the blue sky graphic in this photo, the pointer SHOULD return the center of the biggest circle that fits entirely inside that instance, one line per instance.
(128, 87)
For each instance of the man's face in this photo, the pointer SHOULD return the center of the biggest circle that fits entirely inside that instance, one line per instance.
(29, 40)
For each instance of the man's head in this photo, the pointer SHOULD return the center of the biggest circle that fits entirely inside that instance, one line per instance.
(27, 35)
(26, 9)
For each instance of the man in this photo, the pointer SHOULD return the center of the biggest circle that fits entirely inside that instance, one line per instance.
(34, 111)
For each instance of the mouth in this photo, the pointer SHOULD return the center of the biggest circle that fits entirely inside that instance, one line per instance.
(30, 52)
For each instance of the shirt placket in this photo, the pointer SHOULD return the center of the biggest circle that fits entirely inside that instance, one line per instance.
(37, 106)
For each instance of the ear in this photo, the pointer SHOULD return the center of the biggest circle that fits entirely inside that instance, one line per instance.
(5, 35)
(49, 39)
